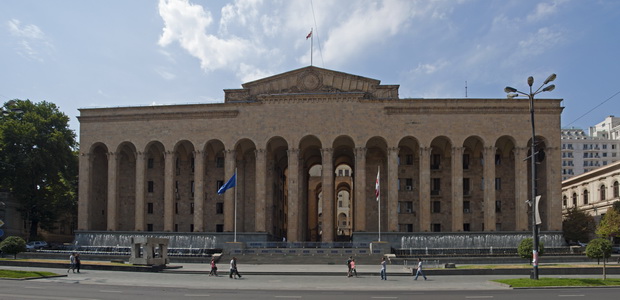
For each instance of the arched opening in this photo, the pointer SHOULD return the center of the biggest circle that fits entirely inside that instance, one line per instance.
(126, 186)
(98, 203)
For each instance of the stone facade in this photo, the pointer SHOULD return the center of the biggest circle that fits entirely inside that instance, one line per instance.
(158, 168)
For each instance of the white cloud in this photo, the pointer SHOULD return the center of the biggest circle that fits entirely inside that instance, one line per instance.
(544, 10)
(187, 24)
(165, 74)
(539, 42)
(32, 42)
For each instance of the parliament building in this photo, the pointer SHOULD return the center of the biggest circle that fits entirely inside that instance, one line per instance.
(307, 147)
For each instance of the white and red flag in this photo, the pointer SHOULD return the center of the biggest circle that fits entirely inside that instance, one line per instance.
(377, 189)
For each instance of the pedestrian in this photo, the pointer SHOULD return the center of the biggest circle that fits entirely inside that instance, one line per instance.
(71, 262)
(349, 266)
(233, 269)
(353, 270)
(383, 269)
(213, 267)
(78, 262)
(419, 271)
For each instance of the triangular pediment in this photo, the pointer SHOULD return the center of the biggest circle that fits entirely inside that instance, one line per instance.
(312, 80)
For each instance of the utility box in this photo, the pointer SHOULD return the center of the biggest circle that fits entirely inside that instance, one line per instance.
(149, 251)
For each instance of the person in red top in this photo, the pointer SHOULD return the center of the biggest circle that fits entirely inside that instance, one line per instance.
(213, 268)
(353, 270)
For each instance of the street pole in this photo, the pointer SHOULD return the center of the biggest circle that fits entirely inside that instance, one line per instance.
(512, 92)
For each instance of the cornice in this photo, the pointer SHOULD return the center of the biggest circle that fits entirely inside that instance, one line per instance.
(395, 110)
(222, 114)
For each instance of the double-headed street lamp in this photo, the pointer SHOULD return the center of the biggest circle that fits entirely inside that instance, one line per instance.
(512, 93)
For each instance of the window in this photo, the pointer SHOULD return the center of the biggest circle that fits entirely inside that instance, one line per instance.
(219, 228)
(616, 189)
(585, 196)
(150, 186)
(191, 208)
(466, 207)
(498, 206)
(406, 227)
(435, 186)
(435, 161)
(409, 159)
(191, 188)
(219, 208)
(564, 201)
(603, 194)
(149, 208)
(176, 227)
(219, 184)
(177, 165)
(436, 227)
(465, 161)
(409, 184)
(191, 227)
(150, 163)
(149, 227)
(498, 184)
(466, 227)
(498, 159)
(219, 162)
(405, 207)
(498, 226)
(466, 187)
(436, 207)
(176, 208)
(574, 199)
(192, 165)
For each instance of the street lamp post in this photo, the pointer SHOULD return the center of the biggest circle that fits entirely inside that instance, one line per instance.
(512, 93)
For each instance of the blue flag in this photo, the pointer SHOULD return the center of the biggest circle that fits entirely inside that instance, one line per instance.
(229, 184)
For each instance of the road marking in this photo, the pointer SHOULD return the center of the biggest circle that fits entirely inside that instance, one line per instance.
(289, 297)
(571, 295)
(197, 295)
(478, 297)
(41, 297)
(384, 297)
(109, 291)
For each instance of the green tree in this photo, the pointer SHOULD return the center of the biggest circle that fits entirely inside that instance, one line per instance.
(38, 151)
(13, 245)
(578, 225)
(616, 206)
(609, 225)
(599, 248)
(526, 246)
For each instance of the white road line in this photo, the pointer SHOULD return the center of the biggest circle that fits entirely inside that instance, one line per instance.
(571, 295)
(384, 297)
(109, 291)
(41, 297)
(197, 295)
(289, 297)
(478, 297)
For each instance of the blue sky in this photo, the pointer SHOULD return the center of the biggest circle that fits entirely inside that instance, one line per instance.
(85, 54)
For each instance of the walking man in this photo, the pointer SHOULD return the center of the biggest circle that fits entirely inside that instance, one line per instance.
(419, 271)
(383, 269)
(71, 263)
(233, 269)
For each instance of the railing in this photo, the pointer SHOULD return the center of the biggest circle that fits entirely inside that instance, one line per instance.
(306, 245)
(491, 251)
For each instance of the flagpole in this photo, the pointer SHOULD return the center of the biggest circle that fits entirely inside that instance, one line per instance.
(235, 204)
(311, 46)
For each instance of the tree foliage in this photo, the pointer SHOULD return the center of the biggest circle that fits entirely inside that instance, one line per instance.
(526, 246)
(39, 161)
(599, 248)
(13, 245)
(578, 225)
(609, 225)
(616, 206)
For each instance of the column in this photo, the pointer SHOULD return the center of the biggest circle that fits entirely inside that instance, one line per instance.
(169, 190)
(457, 189)
(424, 211)
(261, 175)
(328, 195)
(392, 205)
(199, 190)
(489, 188)
(359, 199)
(229, 197)
(521, 190)
(292, 231)
(553, 199)
(140, 172)
(112, 191)
(84, 192)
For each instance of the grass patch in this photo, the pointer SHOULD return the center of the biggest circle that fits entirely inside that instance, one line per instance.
(526, 282)
(24, 274)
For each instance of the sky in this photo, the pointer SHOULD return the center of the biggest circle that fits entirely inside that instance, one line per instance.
(92, 54)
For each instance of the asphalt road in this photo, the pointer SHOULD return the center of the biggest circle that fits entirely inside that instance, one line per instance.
(19, 290)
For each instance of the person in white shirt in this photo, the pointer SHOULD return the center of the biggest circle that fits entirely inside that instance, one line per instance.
(419, 271)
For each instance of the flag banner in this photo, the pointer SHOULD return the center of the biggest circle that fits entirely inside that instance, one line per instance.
(229, 184)
(309, 35)
(377, 189)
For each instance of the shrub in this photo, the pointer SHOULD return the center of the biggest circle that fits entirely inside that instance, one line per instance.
(526, 246)
(13, 245)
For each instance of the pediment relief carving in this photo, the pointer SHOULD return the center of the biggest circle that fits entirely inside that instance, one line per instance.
(312, 80)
